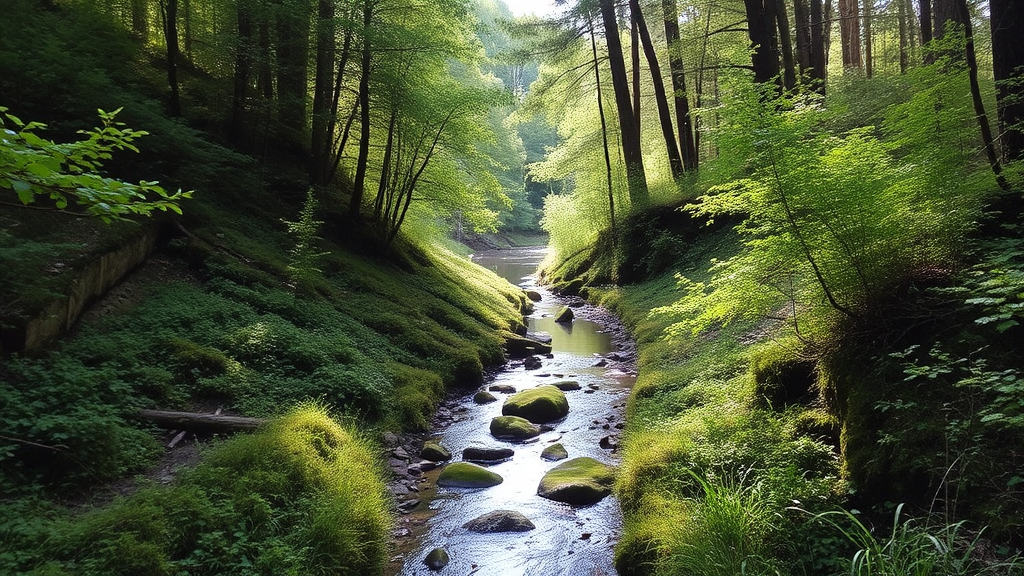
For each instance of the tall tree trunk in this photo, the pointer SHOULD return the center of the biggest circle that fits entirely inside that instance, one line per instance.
(664, 113)
(1008, 64)
(323, 84)
(170, 13)
(761, 24)
(604, 129)
(293, 64)
(243, 69)
(186, 7)
(819, 65)
(926, 31)
(869, 11)
(802, 17)
(944, 11)
(634, 54)
(904, 54)
(684, 123)
(964, 15)
(359, 181)
(631, 153)
(849, 32)
(785, 45)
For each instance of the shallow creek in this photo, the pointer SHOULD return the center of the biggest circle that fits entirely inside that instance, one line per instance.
(592, 350)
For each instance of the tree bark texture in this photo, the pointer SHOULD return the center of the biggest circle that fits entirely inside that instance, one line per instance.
(785, 45)
(359, 181)
(664, 113)
(761, 26)
(869, 14)
(684, 121)
(170, 8)
(849, 32)
(802, 22)
(1008, 63)
(819, 33)
(631, 152)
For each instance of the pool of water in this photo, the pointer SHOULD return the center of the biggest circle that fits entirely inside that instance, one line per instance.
(567, 540)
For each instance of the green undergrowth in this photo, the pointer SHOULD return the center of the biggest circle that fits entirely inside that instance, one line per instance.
(748, 449)
(304, 495)
(709, 466)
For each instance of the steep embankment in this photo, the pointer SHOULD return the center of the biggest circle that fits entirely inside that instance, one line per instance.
(222, 316)
(740, 436)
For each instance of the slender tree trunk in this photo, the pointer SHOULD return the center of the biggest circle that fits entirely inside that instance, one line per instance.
(604, 129)
(385, 169)
(265, 76)
(802, 17)
(243, 69)
(904, 54)
(359, 182)
(634, 54)
(323, 92)
(684, 124)
(631, 152)
(926, 31)
(664, 113)
(849, 29)
(170, 13)
(979, 106)
(186, 7)
(819, 65)
(785, 45)
(1008, 64)
(869, 10)
(761, 24)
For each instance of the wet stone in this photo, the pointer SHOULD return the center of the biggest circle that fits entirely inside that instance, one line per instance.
(487, 454)
(437, 559)
(484, 397)
(499, 521)
(502, 388)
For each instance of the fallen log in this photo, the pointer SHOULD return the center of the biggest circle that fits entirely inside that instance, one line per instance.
(195, 422)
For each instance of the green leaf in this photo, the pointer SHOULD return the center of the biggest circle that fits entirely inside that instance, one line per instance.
(24, 190)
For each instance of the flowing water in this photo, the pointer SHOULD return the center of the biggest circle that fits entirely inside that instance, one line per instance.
(567, 540)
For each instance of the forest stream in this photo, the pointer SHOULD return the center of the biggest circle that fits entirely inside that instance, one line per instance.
(594, 351)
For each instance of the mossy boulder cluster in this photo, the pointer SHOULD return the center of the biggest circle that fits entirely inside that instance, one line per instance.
(579, 482)
(466, 475)
(538, 405)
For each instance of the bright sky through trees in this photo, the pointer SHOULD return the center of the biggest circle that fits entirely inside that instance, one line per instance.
(538, 7)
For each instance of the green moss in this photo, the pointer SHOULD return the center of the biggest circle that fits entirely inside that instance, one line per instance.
(538, 405)
(579, 481)
(466, 475)
(513, 428)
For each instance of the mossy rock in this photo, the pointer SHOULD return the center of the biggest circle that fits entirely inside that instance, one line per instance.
(484, 397)
(437, 559)
(466, 475)
(435, 452)
(533, 295)
(520, 347)
(565, 315)
(554, 452)
(513, 428)
(487, 454)
(538, 405)
(579, 482)
(567, 385)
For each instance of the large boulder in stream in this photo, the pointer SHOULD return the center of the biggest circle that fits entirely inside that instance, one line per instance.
(437, 559)
(499, 521)
(538, 405)
(520, 347)
(565, 315)
(513, 428)
(466, 475)
(435, 452)
(579, 482)
(487, 454)
(554, 452)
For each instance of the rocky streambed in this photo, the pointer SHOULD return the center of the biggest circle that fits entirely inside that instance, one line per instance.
(515, 478)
